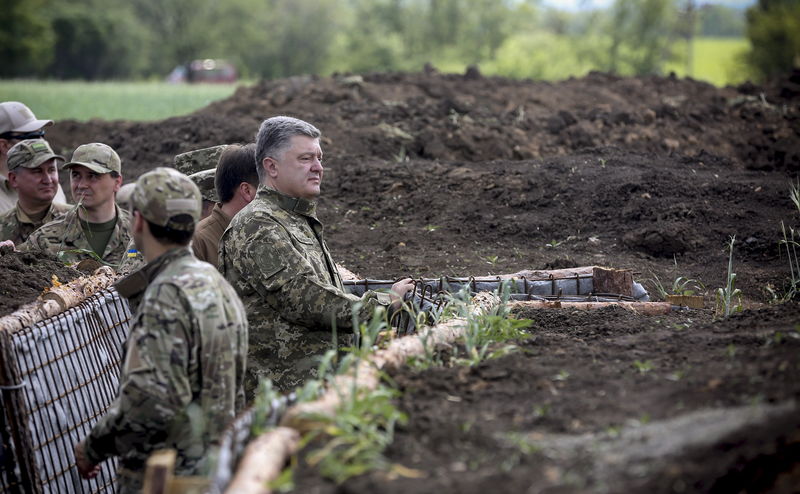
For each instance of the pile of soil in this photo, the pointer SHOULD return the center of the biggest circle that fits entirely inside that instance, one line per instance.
(429, 174)
(24, 275)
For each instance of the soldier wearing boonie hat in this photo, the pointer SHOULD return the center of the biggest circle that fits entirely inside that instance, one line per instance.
(96, 228)
(33, 173)
(200, 165)
(181, 370)
(17, 123)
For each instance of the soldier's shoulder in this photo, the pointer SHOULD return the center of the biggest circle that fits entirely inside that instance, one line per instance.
(59, 208)
(9, 216)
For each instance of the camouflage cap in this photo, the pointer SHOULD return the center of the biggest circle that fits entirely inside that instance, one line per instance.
(165, 193)
(98, 157)
(16, 117)
(200, 159)
(124, 194)
(205, 182)
(31, 153)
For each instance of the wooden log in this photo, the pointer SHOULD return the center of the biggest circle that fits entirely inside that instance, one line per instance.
(647, 308)
(158, 472)
(263, 461)
(692, 301)
(56, 300)
(609, 280)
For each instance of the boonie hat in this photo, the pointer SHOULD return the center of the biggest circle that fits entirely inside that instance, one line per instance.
(198, 160)
(16, 117)
(31, 153)
(97, 157)
(204, 181)
(163, 194)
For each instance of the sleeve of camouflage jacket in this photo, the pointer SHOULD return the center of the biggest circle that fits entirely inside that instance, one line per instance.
(155, 385)
(288, 282)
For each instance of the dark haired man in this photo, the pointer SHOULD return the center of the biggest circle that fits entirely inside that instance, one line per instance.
(97, 228)
(181, 380)
(235, 181)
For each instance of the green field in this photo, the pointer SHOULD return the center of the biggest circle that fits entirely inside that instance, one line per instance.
(112, 100)
(715, 60)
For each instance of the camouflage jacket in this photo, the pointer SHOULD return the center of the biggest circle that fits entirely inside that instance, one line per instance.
(17, 226)
(181, 381)
(274, 254)
(65, 235)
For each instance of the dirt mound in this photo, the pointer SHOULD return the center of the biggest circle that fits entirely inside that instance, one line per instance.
(474, 118)
(23, 276)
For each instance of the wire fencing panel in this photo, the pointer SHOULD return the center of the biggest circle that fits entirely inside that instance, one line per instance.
(65, 371)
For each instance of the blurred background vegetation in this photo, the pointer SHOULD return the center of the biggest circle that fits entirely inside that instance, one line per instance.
(723, 42)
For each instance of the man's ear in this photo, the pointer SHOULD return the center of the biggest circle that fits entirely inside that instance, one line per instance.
(270, 166)
(118, 183)
(12, 179)
(138, 222)
(5, 145)
(247, 191)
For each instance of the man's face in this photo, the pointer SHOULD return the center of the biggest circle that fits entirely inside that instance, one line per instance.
(92, 189)
(38, 184)
(297, 171)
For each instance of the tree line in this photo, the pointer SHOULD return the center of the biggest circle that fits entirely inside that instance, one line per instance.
(140, 39)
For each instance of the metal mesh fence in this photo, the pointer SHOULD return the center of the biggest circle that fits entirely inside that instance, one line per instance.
(58, 377)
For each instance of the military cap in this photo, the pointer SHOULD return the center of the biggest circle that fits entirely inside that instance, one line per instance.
(16, 117)
(30, 153)
(205, 182)
(198, 160)
(163, 194)
(124, 194)
(98, 157)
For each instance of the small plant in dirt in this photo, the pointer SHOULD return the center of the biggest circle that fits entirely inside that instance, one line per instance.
(730, 351)
(681, 285)
(521, 445)
(729, 298)
(790, 242)
(643, 366)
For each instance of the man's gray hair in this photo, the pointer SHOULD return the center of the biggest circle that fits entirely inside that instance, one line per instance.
(273, 138)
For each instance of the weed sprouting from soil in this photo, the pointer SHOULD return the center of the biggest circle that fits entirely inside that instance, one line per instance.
(790, 242)
(726, 296)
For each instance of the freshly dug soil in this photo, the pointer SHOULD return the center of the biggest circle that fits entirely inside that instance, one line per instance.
(429, 174)
(24, 275)
(539, 420)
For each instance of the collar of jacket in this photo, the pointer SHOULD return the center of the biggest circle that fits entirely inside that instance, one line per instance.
(133, 286)
(23, 217)
(289, 203)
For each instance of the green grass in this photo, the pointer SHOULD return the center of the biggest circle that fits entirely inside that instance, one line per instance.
(111, 100)
(715, 61)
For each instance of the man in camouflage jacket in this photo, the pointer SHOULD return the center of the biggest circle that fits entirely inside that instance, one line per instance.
(182, 375)
(33, 173)
(275, 255)
(97, 227)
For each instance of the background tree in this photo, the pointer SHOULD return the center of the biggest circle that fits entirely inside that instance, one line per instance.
(26, 38)
(773, 27)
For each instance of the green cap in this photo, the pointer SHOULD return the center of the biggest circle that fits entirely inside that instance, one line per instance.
(198, 160)
(97, 157)
(161, 195)
(30, 153)
(205, 182)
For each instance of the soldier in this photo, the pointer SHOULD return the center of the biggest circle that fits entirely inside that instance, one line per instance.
(199, 165)
(204, 180)
(33, 173)
(275, 256)
(17, 123)
(236, 182)
(183, 370)
(96, 228)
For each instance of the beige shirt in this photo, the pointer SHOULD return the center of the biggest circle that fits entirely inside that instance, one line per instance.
(205, 243)
(8, 195)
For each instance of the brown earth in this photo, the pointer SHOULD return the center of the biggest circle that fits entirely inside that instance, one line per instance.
(429, 174)
(24, 275)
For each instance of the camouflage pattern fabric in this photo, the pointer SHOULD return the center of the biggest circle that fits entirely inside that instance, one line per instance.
(204, 181)
(199, 160)
(64, 238)
(182, 374)
(274, 254)
(17, 226)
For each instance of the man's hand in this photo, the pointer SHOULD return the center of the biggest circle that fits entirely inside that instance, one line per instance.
(6, 247)
(399, 291)
(87, 469)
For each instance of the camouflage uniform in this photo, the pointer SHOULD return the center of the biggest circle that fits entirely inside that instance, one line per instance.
(199, 160)
(182, 375)
(65, 239)
(274, 254)
(17, 226)
(204, 180)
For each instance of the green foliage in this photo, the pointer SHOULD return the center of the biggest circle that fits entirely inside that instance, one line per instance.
(729, 298)
(680, 286)
(720, 21)
(773, 27)
(357, 435)
(26, 39)
(643, 366)
(790, 242)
